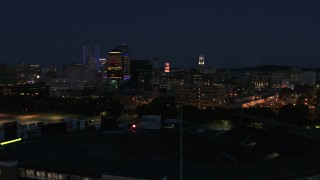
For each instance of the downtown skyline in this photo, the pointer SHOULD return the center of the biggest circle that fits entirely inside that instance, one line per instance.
(230, 34)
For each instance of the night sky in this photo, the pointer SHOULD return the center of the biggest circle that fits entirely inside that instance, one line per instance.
(230, 33)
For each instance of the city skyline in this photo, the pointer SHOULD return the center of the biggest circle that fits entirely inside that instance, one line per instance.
(229, 34)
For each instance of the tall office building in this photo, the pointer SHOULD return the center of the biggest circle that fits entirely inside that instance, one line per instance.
(118, 63)
(114, 64)
(91, 55)
(201, 60)
(201, 66)
(124, 48)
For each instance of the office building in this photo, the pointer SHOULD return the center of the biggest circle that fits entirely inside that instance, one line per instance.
(91, 55)
(27, 73)
(201, 96)
(114, 64)
(201, 60)
(141, 73)
(118, 63)
(124, 48)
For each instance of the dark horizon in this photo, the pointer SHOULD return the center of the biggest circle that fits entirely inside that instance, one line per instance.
(230, 34)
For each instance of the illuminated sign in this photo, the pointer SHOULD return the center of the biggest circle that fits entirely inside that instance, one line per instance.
(115, 52)
(12, 141)
(126, 77)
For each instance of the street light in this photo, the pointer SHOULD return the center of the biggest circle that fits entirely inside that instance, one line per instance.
(181, 143)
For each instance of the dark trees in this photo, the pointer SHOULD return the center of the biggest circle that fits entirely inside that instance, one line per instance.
(294, 114)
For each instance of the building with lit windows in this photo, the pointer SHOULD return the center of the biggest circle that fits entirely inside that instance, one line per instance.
(124, 48)
(114, 65)
(201, 78)
(27, 73)
(281, 79)
(203, 96)
(117, 63)
(72, 77)
(259, 80)
(201, 60)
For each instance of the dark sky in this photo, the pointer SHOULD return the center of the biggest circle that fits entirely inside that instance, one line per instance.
(230, 33)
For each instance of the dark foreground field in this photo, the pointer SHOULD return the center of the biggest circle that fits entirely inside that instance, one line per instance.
(156, 153)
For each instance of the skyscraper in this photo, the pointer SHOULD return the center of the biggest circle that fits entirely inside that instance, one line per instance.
(118, 63)
(201, 60)
(201, 67)
(91, 55)
(114, 64)
(124, 48)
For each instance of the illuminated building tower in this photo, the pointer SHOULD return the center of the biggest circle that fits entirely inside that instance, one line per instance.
(117, 64)
(91, 55)
(166, 67)
(201, 60)
(114, 64)
(201, 67)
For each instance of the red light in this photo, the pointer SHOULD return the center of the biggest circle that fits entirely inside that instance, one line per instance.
(166, 67)
(133, 126)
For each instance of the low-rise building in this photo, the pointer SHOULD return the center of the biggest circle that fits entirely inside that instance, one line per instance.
(203, 96)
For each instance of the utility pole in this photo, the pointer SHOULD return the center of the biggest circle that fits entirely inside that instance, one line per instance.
(181, 142)
(242, 123)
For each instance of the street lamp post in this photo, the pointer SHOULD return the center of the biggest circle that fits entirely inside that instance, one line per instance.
(181, 143)
(242, 123)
